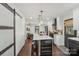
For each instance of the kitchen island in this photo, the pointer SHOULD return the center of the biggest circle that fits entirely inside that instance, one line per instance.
(42, 45)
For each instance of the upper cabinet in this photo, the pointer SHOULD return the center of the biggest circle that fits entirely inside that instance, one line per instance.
(76, 18)
(59, 23)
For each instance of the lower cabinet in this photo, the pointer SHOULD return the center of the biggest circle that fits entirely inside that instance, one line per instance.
(59, 40)
(74, 47)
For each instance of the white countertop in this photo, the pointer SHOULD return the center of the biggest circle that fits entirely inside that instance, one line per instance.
(74, 38)
(38, 37)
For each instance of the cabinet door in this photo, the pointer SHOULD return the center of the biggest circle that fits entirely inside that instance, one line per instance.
(73, 44)
(60, 23)
(59, 40)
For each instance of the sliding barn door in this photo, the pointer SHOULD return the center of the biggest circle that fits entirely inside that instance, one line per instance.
(12, 31)
(6, 31)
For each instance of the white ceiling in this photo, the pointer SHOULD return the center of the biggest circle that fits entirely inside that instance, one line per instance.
(50, 9)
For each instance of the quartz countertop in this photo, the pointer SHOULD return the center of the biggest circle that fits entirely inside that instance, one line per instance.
(74, 38)
(38, 37)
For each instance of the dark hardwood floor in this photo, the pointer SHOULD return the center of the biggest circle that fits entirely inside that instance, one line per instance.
(56, 51)
(26, 50)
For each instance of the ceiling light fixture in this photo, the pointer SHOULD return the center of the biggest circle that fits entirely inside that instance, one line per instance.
(41, 18)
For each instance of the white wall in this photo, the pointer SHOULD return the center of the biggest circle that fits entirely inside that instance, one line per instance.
(20, 33)
(68, 14)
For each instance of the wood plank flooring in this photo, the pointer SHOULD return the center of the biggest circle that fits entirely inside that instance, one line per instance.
(56, 51)
(26, 50)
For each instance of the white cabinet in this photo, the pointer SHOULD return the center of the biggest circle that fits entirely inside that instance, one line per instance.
(59, 40)
(60, 23)
(76, 18)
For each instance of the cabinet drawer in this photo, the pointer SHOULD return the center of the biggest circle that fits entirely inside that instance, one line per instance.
(74, 44)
